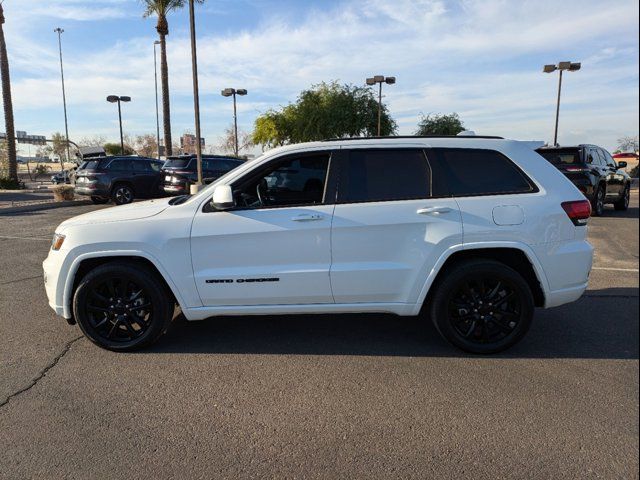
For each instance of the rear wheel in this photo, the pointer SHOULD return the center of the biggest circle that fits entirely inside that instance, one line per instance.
(623, 203)
(122, 307)
(482, 306)
(99, 200)
(122, 194)
(598, 202)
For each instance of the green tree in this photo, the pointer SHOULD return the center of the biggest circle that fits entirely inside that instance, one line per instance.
(327, 110)
(59, 147)
(440, 124)
(161, 9)
(114, 149)
(12, 157)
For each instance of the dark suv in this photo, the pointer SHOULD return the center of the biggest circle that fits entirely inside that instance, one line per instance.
(594, 171)
(120, 179)
(180, 172)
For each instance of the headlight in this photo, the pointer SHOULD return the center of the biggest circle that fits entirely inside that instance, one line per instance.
(57, 242)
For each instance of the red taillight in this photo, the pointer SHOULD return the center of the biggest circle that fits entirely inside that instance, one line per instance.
(578, 211)
(576, 169)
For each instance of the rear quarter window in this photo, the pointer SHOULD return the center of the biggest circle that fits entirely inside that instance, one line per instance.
(470, 172)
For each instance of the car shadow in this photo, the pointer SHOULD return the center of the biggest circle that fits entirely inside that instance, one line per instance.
(631, 212)
(602, 324)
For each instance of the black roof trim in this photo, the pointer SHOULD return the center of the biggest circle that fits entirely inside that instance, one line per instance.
(490, 137)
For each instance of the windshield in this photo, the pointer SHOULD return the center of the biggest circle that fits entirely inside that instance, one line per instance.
(561, 157)
(177, 163)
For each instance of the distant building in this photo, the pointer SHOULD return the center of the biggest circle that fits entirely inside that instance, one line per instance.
(188, 144)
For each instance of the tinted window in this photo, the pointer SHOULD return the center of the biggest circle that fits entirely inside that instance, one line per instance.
(121, 164)
(608, 159)
(93, 164)
(385, 175)
(156, 166)
(467, 172)
(177, 163)
(293, 181)
(142, 166)
(564, 156)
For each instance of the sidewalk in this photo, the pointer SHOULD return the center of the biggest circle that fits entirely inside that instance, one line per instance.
(12, 201)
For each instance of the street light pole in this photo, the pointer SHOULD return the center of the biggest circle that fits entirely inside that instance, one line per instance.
(117, 99)
(196, 99)
(562, 66)
(555, 131)
(232, 92)
(155, 70)
(380, 79)
(64, 96)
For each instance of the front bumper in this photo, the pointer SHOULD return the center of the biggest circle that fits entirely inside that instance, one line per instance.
(53, 286)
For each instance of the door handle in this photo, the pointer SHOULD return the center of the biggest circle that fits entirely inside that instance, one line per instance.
(433, 210)
(307, 217)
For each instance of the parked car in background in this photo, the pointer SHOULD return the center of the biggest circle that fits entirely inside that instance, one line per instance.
(120, 179)
(179, 173)
(61, 177)
(470, 233)
(594, 171)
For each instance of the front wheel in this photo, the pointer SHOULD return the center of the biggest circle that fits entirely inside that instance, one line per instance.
(122, 307)
(482, 306)
(623, 203)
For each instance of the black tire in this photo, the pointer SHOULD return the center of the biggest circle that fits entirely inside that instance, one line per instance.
(597, 204)
(496, 316)
(122, 193)
(623, 203)
(99, 200)
(122, 307)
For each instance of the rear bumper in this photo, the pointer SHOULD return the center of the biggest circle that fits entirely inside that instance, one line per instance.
(174, 189)
(567, 266)
(99, 191)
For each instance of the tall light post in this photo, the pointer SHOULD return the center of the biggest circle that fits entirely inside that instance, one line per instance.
(196, 97)
(155, 71)
(59, 31)
(232, 92)
(117, 99)
(380, 79)
(562, 66)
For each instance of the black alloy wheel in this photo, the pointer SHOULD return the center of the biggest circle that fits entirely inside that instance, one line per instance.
(598, 205)
(623, 203)
(122, 194)
(482, 306)
(122, 307)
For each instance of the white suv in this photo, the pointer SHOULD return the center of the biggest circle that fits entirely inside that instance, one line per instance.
(472, 232)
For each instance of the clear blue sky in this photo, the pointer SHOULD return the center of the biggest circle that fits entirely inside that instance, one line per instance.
(482, 59)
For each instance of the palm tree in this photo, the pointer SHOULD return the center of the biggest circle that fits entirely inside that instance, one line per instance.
(8, 104)
(161, 8)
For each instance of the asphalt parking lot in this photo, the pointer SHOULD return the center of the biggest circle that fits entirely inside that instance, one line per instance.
(345, 396)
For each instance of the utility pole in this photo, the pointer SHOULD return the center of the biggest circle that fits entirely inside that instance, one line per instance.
(59, 31)
(196, 98)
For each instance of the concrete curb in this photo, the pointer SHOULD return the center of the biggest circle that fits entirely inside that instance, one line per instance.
(44, 206)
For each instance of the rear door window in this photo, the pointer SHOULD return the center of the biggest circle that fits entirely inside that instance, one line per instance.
(470, 172)
(123, 164)
(379, 175)
(142, 166)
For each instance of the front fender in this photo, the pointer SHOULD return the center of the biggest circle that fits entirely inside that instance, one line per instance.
(77, 260)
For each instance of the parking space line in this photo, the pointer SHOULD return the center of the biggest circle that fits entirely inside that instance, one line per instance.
(9, 237)
(634, 270)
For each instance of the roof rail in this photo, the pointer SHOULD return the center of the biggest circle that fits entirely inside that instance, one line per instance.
(492, 137)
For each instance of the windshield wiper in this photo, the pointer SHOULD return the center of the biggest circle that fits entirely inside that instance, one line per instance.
(179, 200)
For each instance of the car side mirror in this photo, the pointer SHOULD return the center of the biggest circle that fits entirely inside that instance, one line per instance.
(223, 198)
(622, 164)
